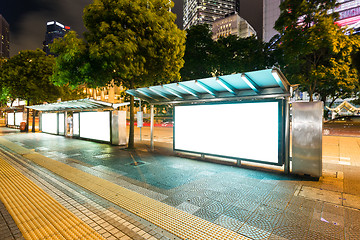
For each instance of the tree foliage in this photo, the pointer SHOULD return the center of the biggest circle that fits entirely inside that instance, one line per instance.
(131, 43)
(27, 76)
(199, 53)
(205, 57)
(317, 52)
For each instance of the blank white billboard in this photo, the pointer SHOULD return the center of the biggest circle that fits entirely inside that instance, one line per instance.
(10, 119)
(237, 130)
(49, 123)
(95, 125)
(76, 130)
(61, 123)
(18, 118)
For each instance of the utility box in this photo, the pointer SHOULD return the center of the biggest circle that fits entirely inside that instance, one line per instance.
(118, 130)
(307, 125)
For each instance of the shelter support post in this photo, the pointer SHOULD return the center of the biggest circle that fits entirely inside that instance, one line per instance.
(287, 136)
(66, 123)
(152, 128)
(33, 120)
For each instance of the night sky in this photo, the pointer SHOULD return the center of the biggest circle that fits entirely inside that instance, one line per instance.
(28, 18)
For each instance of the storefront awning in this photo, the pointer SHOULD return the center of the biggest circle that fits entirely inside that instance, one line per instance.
(257, 84)
(77, 105)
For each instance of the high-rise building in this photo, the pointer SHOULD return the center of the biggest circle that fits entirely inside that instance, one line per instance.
(232, 24)
(4, 38)
(53, 30)
(260, 14)
(207, 11)
(349, 14)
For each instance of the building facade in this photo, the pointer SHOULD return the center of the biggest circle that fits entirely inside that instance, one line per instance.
(232, 24)
(349, 14)
(271, 9)
(207, 11)
(53, 30)
(4, 38)
(261, 15)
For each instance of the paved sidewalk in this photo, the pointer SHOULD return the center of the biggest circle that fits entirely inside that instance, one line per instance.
(256, 201)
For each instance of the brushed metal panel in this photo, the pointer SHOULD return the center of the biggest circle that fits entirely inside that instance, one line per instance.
(118, 129)
(307, 124)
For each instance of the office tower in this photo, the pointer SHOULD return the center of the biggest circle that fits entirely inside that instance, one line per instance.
(4, 38)
(260, 14)
(232, 24)
(206, 11)
(53, 30)
(349, 14)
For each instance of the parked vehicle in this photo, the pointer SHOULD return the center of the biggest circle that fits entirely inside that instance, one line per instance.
(343, 125)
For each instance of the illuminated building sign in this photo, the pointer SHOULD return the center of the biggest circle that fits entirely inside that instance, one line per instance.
(353, 12)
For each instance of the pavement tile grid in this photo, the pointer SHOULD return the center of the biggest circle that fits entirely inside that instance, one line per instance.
(8, 228)
(110, 222)
(261, 205)
(257, 214)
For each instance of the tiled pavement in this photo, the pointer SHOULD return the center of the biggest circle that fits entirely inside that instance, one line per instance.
(259, 203)
(107, 219)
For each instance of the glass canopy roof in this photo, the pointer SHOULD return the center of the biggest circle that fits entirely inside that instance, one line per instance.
(77, 105)
(257, 84)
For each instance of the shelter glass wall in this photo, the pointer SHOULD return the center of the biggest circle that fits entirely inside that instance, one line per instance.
(11, 119)
(18, 118)
(76, 129)
(61, 124)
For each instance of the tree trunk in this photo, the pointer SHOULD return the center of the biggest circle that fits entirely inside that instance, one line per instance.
(323, 99)
(33, 121)
(311, 97)
(131, 132)
(27, 117)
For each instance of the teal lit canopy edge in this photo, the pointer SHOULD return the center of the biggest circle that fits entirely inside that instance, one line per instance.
(267, 83)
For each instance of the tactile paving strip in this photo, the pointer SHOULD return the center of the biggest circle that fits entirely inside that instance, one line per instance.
(177, 222)
(37, 214)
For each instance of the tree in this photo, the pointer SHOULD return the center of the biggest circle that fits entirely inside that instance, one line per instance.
(317, 52)
(131, 43)
(27, 76)
(234, 55)
(199, 53)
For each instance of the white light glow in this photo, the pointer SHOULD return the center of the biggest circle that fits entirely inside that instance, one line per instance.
(61, 123)
(95, 125)
(76, 124)
(18, 118)
(49, 122)
(238, 130)
(10, 119)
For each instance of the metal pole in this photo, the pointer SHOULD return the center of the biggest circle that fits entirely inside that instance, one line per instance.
(143, 120)
(287, 136)
(152, 128)
(66, 123)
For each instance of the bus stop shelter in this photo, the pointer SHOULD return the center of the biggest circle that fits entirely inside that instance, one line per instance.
(85, 118)
(244, 116)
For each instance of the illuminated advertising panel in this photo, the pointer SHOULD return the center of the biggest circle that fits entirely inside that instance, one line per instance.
(95, 125)
(76, 130)
(61, 123)
(10, 119)
(247, 131)
(49, 123)
(18, 118)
